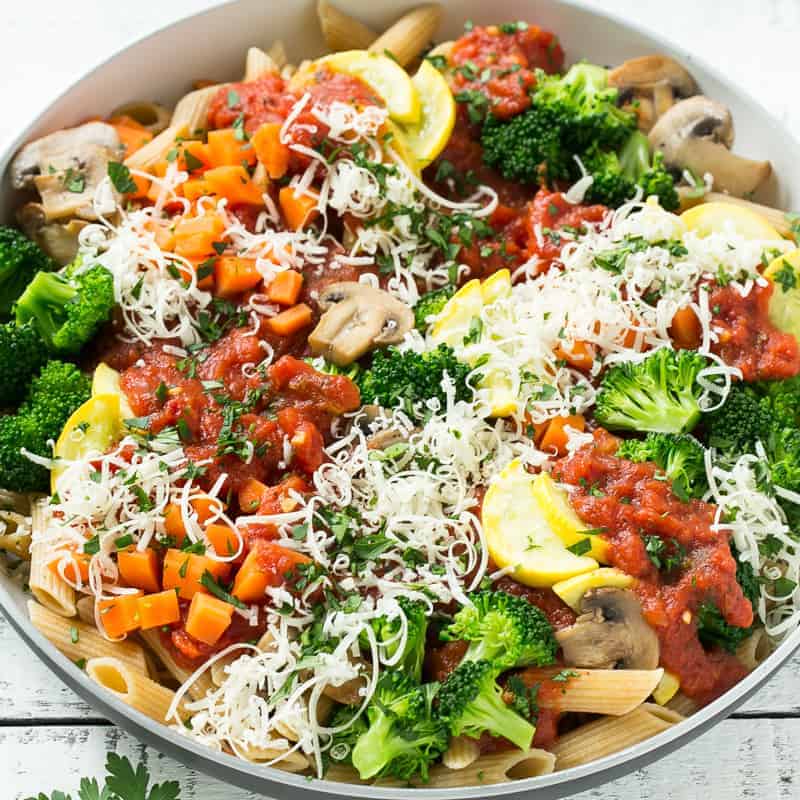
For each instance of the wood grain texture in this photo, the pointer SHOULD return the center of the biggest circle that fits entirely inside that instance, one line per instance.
(737, 759)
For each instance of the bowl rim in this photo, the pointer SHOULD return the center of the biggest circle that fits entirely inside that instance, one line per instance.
(288, 786)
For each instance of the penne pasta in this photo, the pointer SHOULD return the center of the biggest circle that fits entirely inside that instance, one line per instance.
(49, 588)
(594, 691)
(753, 650)
(612, 734)
(410, 35)
(15, 534)
(461, 752)
(78, 641)
(341, 31)
(153, 116)
(293, 761)
(258, 63)
(133, 687)
(156, 149)
(192, 109)
(277, 52)
(85, 610)
(202, 684)
(683, 705)
(507, 765)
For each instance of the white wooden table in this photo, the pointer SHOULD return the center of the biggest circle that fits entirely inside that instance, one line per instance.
(49, 738)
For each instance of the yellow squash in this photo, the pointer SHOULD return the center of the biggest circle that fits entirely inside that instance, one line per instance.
(572, 590)
(717, 217)
(784, 305)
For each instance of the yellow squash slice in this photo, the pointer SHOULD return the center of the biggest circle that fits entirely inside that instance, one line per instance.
(572, 590)
(667, 688)
(427, 138)
(561, 517)
(385, 77)
(518, 536)
(718, 217)
(784, 305)
(106, 381)
(93, 427)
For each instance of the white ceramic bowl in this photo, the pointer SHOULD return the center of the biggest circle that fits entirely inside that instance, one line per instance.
(161, 67)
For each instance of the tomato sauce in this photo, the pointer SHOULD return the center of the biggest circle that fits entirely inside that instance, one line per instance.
(629, 502)
(502, 66)
(747, 338)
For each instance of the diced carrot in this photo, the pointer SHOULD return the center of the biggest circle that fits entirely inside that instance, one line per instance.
(207, 507)
(251, 494)
(139, 568)
(120, 615)
(223, 539)
(291, 320)
(158, 609)
(209, 617)
(195, 236)
(142, 188)
(225, 150)
(173, 523)
(578, 354)
(183, 571)
(132, 134)
(234, 183)
(285, 287)
(251, 581)
(685, 330)
(555, 437)
(269, 149)
(298, 209)
(267, 564)
(194, 188)
(235, 275)
(204, 272)
(164, 234)
(194, 156)
(76, 567)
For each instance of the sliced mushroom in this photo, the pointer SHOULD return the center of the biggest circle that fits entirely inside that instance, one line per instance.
(610, 632)
(357, 318)
(58, 149)
(696, 134)
(58, 240)
(649, 86)
(152, 116)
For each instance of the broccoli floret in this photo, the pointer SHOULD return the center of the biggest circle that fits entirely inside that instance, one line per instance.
(568, 116)
(353, 725)
(52, 397)
(408, 377)
(505, 630)
(680, 456)
(416, 622)
(783, 398)
(403, 736)
(617, 175)
(743, 420)
(658, 394)
(68, 312)
(471, 702)
(20, 260)
(22, 354)
(431, 304)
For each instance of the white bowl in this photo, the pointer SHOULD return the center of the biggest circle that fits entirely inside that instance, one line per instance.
(212, 45)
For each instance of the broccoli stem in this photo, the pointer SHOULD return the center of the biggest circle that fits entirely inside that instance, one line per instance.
(488, 712)
(375, 748)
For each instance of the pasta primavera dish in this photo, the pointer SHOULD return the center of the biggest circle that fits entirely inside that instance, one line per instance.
(427, 415)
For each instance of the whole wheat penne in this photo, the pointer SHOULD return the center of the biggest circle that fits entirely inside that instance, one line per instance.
(277, 52)
(257, 64)
(594, 691)
(85, 608)
(153, 116)
(461, 752)
(754, 649)
(293, 761)
(612, 734)
(341, 31)
(158, 147)
(77, 641)
(410, 35)
(192, 109)
(683, 705)
(133, 687)
(49, 588)
(202, 684)
(16, 534)
(489, 769)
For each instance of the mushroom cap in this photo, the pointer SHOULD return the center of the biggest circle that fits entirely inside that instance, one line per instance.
(358, 317)
(59, 148)
(610, 632)
(645, 72)
(696, 134)
(59, 241)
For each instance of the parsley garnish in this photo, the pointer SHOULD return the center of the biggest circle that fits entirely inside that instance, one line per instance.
(210, 582)
(121, 177)
(581, 547)
(785, 277)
